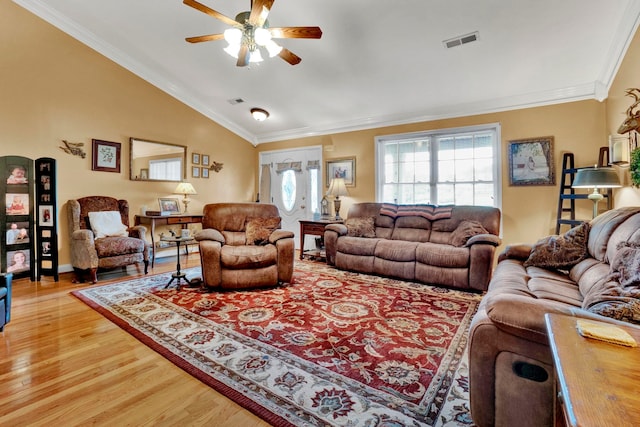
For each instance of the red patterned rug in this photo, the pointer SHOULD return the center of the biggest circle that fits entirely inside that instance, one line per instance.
(334, 348)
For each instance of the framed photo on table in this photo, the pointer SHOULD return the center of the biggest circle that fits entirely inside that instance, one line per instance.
(105, 156)
(342, 168)
(531, 161)
(169, 205)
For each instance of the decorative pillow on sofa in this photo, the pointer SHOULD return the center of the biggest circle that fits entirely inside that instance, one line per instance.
(258, 230)
(361, 227)
(107, 224)
(560, 251)
(626, 264)
(465, 231)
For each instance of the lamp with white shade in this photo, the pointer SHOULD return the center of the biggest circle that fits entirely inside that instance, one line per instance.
(596, 178)
(337, 188)
(185, 188)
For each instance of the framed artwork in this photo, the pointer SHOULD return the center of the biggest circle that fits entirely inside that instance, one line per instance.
(341, 168)
(45, 217)
(195, 158)
(46, 249)
(205, 160)
(169, 204)
(17, 175)
(105, 156)
(18, 261)
(144, 173)
(531, 161)
(17, 203)
(204, 173)
(17, 233)
(195, 171)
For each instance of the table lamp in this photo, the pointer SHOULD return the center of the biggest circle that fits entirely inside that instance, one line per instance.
(596, 178)
(337, 188)
(185, 188)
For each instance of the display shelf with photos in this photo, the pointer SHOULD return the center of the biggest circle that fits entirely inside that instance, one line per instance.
(16, 216)
(46, 221)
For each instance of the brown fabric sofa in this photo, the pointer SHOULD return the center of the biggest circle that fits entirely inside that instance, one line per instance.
(241, 246)
(428, 244)
(511, 375)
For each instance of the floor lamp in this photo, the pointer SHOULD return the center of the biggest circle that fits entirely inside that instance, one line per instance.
(337, 188)
(596, 178)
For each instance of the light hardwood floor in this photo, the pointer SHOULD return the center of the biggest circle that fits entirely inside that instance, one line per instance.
(63, 364)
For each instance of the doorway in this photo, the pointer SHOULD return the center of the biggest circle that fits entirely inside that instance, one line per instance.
(294, 180)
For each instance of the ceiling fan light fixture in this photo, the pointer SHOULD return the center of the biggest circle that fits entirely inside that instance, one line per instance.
(255, 56)
(259, 114)
(273, 48)
(262, 36)
(233, 50)
(233, 36)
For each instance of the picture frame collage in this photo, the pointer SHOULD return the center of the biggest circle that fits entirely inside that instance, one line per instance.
(200, 165)
(18, 238)
(46, 247)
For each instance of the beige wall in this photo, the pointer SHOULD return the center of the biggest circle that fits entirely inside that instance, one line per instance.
(55, 88)
(628, 76)
(528, 212)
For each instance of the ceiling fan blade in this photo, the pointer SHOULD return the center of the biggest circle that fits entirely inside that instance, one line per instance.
(243, 56)
(259, 12)
(207, 38)
(204, 9)
(296, 32)
(289, 56)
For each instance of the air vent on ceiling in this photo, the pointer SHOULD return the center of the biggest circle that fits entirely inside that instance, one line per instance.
(460, 40)
(235, 101)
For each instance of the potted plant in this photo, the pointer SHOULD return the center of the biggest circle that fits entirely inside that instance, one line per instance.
(634, 167)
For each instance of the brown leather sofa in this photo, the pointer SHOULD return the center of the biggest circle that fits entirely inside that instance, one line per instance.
(241, 246)
(511, 374)
(428, 244)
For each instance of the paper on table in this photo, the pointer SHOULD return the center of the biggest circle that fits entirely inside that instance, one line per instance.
(605, 332)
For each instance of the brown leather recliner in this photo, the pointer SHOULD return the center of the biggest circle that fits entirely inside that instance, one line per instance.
(241, 246)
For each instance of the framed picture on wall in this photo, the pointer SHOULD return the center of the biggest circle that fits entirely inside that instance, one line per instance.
(195, 171)
(531, 161)
(45, 215)
(195, 158)
(205, 160)
(204, 173)
(105, 156)
(341, 168)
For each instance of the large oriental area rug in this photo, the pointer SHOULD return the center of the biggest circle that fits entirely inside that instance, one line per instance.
(334, 348)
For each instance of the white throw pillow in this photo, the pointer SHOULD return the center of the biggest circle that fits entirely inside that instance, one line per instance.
(107, 224)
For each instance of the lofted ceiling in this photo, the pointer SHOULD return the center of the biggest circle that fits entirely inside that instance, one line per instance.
(378, 62)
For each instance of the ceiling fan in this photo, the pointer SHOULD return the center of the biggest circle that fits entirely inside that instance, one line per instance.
(250, 31)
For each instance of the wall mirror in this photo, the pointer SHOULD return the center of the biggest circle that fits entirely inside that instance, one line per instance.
(156, 161)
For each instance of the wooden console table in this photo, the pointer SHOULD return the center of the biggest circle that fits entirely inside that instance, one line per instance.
(183, 219)
(598, 382)
(314, 228)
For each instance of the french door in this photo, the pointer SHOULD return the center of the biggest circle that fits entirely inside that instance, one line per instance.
(294, 182)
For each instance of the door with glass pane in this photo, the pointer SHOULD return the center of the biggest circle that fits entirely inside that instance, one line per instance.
(295, 184)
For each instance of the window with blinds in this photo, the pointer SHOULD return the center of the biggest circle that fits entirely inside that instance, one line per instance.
(453, 166)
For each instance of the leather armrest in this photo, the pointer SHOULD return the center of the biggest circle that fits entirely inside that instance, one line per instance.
(280, 234)
(522, 315)
(518, 251)
(491, 239)
(341, 229)
(209, 234)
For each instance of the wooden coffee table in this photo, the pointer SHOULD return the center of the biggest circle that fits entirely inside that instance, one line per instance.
(599, 383)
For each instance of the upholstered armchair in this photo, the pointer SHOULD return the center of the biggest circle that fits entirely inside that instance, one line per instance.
(242, 246)
(5, 299)
(101, 236)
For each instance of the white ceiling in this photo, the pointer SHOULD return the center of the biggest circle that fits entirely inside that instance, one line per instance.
(378, 62)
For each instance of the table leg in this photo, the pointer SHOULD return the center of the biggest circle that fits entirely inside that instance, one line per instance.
(301, 241)
(153, 243)
(178, 275)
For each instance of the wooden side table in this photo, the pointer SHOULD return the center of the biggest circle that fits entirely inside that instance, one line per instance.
(598, 382)
(183, 220)
(178, 275)
(314, 228)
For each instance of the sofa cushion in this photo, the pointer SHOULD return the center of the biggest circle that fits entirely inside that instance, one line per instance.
(258, 230)
(248, 257)
(361, 227)
(114, 246)
(466, 230)
(626, 264)
(396, 250)
(560, 251)
(364, 246)
(438, 255)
